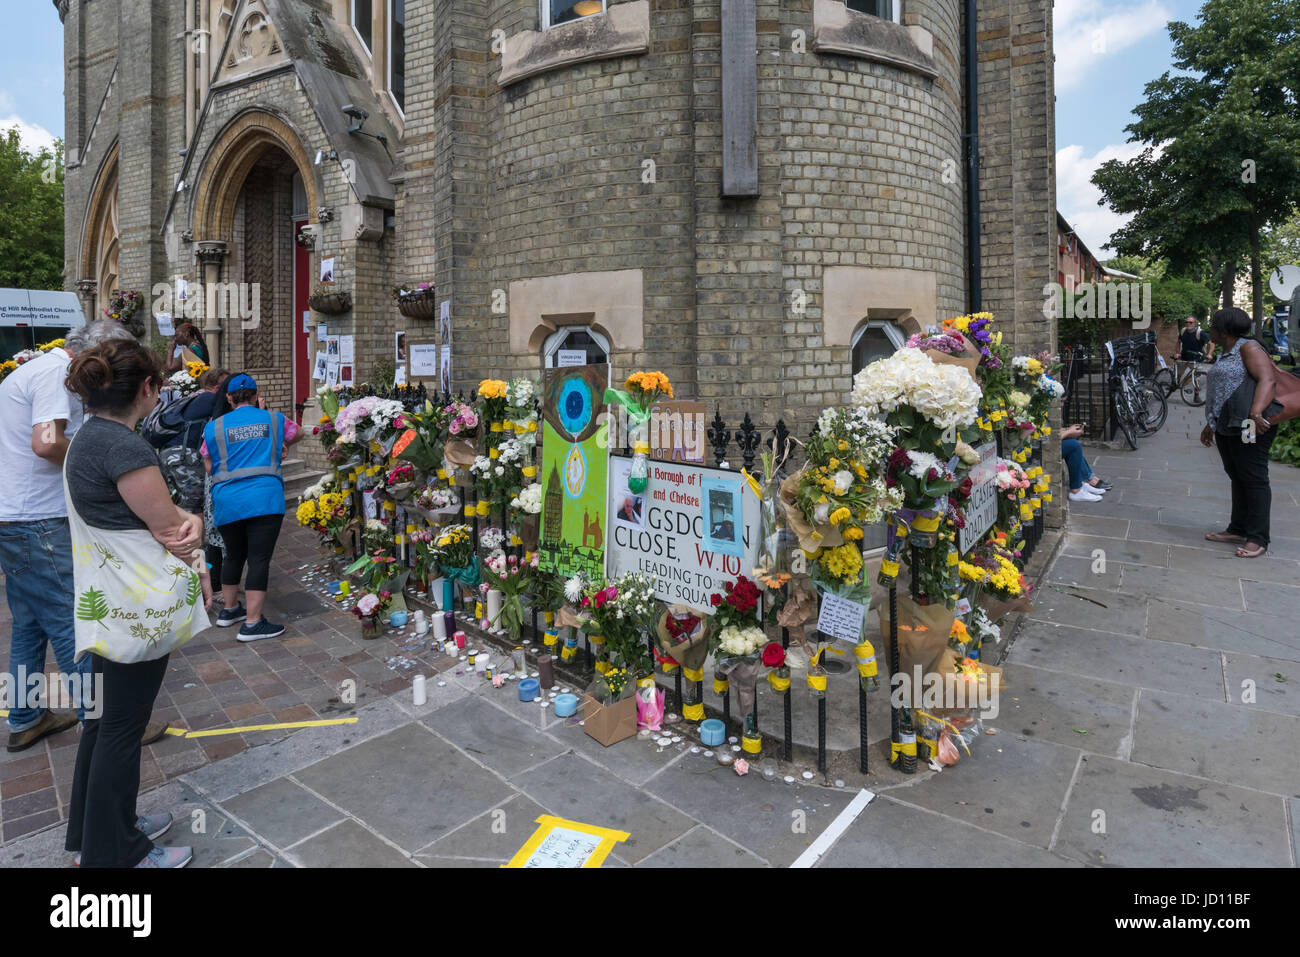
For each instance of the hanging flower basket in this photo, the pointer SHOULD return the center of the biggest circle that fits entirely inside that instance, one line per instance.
(330, 302)
(417, 302)
(123, 306)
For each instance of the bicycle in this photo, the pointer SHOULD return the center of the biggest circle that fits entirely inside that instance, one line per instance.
(1144, 406)
(1190, 380)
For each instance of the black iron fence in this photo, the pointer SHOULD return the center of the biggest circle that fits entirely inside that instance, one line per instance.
(1087, 380)
(746, 441)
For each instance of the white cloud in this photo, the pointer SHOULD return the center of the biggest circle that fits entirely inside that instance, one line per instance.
(34, 138)
(1088, 34)
(1077, 198)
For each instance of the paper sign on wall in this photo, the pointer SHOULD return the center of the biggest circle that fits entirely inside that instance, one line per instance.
(322, 331)
(399, 375)
(840, 617)
(347, 349)
(571, 357)
(322, 364)
(306, 321)
(424, 360)
(164, 320)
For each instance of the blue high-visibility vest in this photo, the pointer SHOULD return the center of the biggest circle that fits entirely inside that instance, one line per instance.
(245, 447)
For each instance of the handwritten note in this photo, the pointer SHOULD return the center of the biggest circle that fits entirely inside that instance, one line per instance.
(561, 843)
(840, 617)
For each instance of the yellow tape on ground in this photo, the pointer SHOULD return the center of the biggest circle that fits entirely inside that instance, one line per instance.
(211, 732)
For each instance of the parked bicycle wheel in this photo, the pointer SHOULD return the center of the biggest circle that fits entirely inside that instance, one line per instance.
(1193, 389)
(1153, 409)
(1124, 415)
(1164, 381)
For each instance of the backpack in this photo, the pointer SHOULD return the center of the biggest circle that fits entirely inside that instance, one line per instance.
(182, 469)
(167, 420)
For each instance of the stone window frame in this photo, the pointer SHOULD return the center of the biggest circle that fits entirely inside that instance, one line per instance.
(622, 30)
(839, 31)
(555, 341)
(895, 10)
(352, 21)
(544, 14)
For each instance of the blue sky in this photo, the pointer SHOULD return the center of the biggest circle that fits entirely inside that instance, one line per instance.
(1106, 50)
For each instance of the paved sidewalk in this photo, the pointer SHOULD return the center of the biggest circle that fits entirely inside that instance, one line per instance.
(1123, 737)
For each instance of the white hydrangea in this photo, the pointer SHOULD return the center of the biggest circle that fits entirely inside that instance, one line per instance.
(945, 394)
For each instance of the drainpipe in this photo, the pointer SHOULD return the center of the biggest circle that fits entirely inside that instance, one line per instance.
(972, 160)
(189, 71)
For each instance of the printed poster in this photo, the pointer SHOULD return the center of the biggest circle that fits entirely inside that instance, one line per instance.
(573, 471)
(723, 523)
(665, 536)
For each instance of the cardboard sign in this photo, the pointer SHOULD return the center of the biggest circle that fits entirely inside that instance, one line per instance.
(982, 508)
(841, 618)
(666, 540)
(561, 843)
(677, 432)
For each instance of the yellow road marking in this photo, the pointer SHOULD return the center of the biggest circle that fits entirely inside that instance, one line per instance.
(182, 733)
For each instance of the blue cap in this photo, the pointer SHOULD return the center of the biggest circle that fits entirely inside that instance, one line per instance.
(241, 382)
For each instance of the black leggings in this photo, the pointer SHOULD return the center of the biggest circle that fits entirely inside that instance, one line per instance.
(1247, 466)
(101, 815)
(250, 540)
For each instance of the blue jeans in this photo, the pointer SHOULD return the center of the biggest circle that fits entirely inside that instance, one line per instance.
(37, 562)
(1072, 452)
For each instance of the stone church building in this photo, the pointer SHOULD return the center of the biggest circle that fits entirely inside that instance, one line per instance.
(752, 196)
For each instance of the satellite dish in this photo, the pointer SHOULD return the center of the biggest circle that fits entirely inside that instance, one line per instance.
(1283, 280)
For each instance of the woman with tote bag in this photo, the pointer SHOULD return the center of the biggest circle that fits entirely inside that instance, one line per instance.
(141, 586)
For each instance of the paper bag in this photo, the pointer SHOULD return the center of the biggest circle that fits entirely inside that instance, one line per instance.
(460, 453)
(691, 653)
(998, 608)
(969, 364)
(922, 636)
(609, 723)
(794, 517)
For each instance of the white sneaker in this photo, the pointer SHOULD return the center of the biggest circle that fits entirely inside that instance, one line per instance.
(1095, 490)
(1084, 495)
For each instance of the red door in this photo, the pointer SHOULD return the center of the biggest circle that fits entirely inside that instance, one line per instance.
(301, 317)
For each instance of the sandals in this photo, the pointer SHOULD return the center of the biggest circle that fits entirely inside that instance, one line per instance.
(1225, 537)
(1251, 550)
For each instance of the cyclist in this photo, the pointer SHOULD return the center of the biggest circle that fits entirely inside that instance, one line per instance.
(1194, 342)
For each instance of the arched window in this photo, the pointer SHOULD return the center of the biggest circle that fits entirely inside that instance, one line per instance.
(885, 9)
(874, 340)
(563, 345)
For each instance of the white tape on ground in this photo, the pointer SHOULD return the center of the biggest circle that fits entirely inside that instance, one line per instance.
(838, 826)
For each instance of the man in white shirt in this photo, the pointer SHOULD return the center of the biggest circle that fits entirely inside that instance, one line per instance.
(37, 418)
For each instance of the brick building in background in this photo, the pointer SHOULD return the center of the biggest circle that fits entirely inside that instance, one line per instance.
(755, 197)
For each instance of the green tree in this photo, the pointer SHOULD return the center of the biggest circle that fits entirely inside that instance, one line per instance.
(31, 215)
(1221, 162)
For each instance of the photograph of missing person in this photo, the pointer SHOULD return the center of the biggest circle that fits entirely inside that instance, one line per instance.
(722, 525)
(399, 346)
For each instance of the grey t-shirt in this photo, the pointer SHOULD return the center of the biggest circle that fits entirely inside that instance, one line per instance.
(101, 452)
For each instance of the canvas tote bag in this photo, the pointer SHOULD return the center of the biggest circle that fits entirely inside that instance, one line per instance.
(135, 601)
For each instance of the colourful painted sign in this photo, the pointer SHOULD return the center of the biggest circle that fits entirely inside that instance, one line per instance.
(573, 473)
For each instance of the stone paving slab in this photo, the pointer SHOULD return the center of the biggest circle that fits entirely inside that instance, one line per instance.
(1056, 706)
(1272, 599)
(347, 844)
(1079, 570)
(481, 728)
(1140, 661)
(892, 833)
(775, 820)
(1129, 552)
(1223, 742)
(604, 800)
(1276, 682)
(1245, 632)
(1156, 818)
(703, 847)
(495, 835)
(258, 766)
(1016, 787)
(378, 781)
(282, 812)
(1101, 610)
(1146, 580)
(1221, 562)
